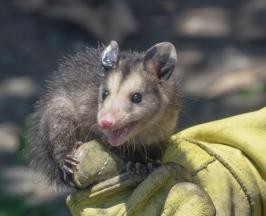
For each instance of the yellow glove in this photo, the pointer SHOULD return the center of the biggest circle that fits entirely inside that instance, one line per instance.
(219, 167)
(163, 192)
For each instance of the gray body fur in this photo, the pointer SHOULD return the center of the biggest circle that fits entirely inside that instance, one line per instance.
(67, 111)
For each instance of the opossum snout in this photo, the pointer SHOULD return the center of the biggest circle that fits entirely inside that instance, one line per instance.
(107, 121)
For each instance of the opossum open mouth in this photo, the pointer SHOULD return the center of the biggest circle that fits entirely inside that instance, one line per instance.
(119, 136)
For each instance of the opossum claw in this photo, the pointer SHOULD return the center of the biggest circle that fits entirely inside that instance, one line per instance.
(129, 167)
(71, 160)
(78, 144)
(150, 167)
(139, 168)
(70, 163)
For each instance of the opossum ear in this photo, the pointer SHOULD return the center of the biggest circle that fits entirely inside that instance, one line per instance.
(109, 58)
(160, 60)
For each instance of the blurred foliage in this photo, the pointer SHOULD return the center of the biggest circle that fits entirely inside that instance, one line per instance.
(15, 205)
(22, 151)
(256, 88)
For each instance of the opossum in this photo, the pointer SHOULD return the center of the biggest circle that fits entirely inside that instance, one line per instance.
(129, 100)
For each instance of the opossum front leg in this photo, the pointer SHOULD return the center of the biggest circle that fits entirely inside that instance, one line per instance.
(69, 165)
(63, 137)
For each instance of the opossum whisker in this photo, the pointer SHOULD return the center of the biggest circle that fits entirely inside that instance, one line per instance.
(145, 150)
(134, 144)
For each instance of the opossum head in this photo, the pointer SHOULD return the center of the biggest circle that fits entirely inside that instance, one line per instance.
(137, 97)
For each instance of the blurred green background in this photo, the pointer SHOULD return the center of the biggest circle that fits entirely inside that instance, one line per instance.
(222, 63)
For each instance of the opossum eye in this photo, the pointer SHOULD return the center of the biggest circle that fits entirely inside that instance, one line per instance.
(136, 97)
(105, 94)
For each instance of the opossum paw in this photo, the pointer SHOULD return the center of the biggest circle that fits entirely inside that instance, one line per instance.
(78, 144)
(69, 165)
(140, 168)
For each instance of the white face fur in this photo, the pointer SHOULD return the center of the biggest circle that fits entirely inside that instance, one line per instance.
(134, 95)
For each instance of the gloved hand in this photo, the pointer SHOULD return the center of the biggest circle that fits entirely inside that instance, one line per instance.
(217, 167)
(163, 192)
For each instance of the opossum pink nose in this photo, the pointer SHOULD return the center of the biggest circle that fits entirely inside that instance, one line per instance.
(107, 122)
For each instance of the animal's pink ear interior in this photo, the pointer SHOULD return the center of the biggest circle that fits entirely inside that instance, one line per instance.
(160, 60)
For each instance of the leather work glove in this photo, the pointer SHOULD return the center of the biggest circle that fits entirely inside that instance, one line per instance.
(216, 168)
